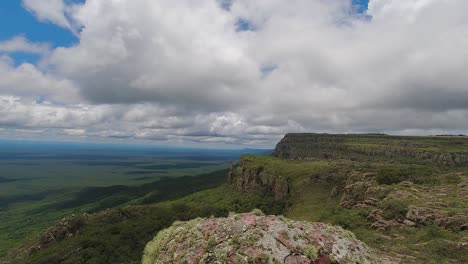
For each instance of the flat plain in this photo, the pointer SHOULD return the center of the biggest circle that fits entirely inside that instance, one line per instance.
(40, 182)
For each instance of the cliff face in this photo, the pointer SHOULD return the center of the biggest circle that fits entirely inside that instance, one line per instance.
(249, 176)
(256, 238)
(438, 150)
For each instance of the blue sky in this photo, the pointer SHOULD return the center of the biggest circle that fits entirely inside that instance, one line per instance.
(16, 20)
(361, 5)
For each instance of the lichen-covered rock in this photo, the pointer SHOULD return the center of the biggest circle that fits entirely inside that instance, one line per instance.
(256, 238)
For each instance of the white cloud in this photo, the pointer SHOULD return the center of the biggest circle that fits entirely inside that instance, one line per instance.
(27, 81)
(170, 53)
(21, 44)
(54, 11)
(405, 11)
(74, 132)
(182, 70)
(17, 112)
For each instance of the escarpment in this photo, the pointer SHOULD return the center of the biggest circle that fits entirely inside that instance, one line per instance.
(250, 176)
(437, 150)
(394, 188)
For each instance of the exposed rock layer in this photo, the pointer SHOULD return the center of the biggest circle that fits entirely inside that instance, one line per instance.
(328, 146)
(250, 177)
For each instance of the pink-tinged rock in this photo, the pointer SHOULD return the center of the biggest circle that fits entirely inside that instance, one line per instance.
(323, 260)
(317, 236)
(285, 242)
(249, 219)
(300, 226)
(209, 226)
(251, 252)
(264, 222)
(296, 259)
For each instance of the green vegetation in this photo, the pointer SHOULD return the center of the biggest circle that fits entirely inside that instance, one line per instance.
(394, 209)
(311, 198)
(414, 173)
(458, 144)
(412, 207)
(123, 240)
(333, 183)
(23, 179)
(375, 148)
(277, 166)
(41, 183)
(24, 219)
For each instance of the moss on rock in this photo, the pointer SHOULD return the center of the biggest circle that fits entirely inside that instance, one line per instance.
(256, 238)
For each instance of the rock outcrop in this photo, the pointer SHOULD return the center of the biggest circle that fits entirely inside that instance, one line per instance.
(361, 191)
(251, 177)
(256, 238)
(370, 147)
(426, 216)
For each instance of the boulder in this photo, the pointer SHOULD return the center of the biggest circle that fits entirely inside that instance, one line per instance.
(256, 238)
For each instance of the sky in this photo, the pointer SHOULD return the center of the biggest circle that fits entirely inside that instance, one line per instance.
(234, 73)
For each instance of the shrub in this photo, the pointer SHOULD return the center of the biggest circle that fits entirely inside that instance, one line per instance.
(394, 209)
(390, 176)
(416, 174)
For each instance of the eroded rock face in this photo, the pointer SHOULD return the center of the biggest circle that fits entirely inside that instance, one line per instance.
(252, 178)
(329, 146)
(361, 191)
(256, 238)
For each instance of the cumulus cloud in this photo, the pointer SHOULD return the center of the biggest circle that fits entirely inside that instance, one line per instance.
(54, 11)
(18, 112)
(180, 53)
(27, 81)
(136, 121)
(21, 44)
(246, 72)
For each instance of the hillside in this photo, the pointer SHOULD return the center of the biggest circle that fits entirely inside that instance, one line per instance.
(119, 235)
(405, 196)
(413, 207)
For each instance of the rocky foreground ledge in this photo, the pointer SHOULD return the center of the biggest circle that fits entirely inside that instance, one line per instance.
(256, 238)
